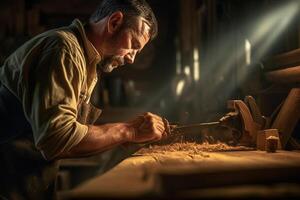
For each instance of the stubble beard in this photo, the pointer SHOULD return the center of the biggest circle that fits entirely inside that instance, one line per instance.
(108, 64)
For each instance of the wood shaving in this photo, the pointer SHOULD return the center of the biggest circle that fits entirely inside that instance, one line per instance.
(192, 147)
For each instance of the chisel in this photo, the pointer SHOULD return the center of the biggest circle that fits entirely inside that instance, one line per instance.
(191, 128)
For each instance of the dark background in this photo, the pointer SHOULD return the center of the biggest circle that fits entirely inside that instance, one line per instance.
(218, 30)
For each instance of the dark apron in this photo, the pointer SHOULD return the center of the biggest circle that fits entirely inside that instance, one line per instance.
(24, 173)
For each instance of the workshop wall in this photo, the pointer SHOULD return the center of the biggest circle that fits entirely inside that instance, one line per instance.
(233, 39)
(201, 43)
(130, 89)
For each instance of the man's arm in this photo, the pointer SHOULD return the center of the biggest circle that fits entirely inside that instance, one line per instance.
(99, 139)
(145, 128)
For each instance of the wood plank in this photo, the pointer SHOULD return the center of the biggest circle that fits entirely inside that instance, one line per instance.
(285, 76)
(138, 175)
(288, 116)
(284, 60)
(231, 168)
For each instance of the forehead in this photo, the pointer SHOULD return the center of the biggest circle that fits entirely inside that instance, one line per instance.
(141, 28)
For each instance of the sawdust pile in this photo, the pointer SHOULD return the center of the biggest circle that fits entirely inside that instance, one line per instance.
(192, 147)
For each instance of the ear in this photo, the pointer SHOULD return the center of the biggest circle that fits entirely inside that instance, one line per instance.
(115, 21)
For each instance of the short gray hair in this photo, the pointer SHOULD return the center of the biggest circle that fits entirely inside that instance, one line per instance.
(130, 9)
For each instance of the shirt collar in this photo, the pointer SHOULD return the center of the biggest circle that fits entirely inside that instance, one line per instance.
(92, 54)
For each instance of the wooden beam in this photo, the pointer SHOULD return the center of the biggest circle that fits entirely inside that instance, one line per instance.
(288, 116)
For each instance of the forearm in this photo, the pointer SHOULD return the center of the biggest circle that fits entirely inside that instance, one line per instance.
(100, 138)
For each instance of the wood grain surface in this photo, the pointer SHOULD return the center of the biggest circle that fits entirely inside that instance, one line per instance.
(144, 175)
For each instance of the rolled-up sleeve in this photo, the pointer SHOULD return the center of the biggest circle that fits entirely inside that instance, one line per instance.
(52, 100)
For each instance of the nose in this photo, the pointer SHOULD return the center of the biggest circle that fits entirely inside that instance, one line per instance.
(130, 57)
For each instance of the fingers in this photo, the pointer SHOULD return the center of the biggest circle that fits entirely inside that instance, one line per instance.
(150, 127)
(154, 118)
(155, 121)
(167, 126)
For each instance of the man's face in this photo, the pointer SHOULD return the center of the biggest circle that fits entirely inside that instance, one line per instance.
(123, 46)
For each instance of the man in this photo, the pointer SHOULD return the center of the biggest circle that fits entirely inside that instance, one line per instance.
(46, 87)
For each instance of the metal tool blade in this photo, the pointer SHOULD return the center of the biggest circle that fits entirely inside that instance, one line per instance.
(193, 128)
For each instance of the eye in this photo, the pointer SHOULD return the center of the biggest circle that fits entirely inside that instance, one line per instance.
(136, 44)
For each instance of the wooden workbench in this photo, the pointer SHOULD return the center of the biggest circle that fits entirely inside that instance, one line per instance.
(209, 174)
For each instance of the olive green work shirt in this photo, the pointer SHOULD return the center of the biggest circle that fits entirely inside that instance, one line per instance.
(49, 74)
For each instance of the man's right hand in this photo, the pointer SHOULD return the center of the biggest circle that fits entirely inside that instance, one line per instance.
(147, 127)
